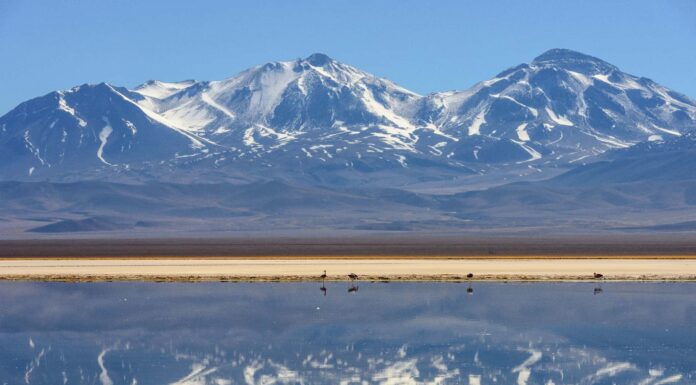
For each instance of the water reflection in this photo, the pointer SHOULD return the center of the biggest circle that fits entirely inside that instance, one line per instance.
(400, 333)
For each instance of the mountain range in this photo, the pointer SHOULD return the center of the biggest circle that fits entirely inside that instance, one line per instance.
(284, 142)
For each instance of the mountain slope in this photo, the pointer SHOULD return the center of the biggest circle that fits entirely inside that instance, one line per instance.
(657, 162)
(313, 101)
(315, 120)
(650, 186)
(561, 108)
(90, 127)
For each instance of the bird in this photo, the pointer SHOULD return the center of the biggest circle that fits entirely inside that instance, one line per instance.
(470, 275)
(323, 276)
(353, 276)
(598, 275)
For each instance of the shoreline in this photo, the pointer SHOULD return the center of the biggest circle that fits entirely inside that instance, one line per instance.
(369, 269)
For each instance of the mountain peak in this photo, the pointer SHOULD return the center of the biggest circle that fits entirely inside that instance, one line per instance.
(567, 57)
(318, 59)
(555, 54)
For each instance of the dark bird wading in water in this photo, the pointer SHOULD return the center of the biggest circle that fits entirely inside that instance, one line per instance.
(598, 289)
(323, 286)
(353, 277)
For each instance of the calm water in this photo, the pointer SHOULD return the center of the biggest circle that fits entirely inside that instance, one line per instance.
(396, 333)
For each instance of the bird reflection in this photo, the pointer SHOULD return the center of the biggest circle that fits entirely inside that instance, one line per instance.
(323, 281)
(598, 289)
(353, 288)
(470, 290)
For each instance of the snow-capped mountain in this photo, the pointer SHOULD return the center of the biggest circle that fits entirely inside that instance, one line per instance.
(561, 108)
(316, 115)
(86, 127)
(268, 106)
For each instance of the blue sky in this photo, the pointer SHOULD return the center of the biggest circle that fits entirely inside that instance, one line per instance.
(422, 45)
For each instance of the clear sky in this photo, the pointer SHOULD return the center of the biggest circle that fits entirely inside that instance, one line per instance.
(425, 46)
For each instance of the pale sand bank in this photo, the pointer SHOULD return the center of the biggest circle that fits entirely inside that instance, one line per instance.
(337, 269)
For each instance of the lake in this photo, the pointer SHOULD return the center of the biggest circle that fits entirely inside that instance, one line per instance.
(382, 333)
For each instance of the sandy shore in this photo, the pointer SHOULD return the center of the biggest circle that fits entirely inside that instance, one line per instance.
(337, 269)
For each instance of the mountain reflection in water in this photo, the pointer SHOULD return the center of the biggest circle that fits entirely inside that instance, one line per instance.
(396, 333)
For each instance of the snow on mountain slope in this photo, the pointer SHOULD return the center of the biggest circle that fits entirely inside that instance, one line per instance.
(269, 106)
(86, 127)
(159, 90)
(316, 115)
(564, 105)
(667, 165)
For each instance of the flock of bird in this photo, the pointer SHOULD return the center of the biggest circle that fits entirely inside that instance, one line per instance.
(353, 277)
(354, 288)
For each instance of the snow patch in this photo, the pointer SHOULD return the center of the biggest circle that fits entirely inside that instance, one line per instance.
(602, 77)
(161, 90)
(208, 100)
(560, 120)
(103, 139)
(402, 160)
(35, 151)
(522, 132)
(609, 140)
(666, 131)
(534, 154)
(670, 380)
(190, 116)
(614, 369)
(533, 110)
(582, 79)
(63, 105)
(475, 128)
(378, 109)
(131, 126)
